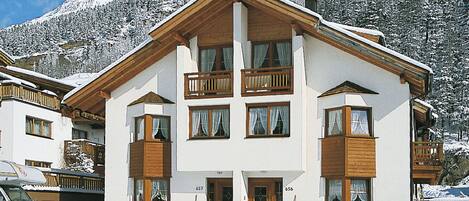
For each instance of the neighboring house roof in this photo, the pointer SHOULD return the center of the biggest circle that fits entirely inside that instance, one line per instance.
(41, 80)
(187, 19)
(6, 58)
(424, 113)
(347, 87)
(151, 98)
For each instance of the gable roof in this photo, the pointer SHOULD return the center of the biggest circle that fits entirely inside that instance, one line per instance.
(188, 18)
(151, 98)
(6, 58)
(347, 87)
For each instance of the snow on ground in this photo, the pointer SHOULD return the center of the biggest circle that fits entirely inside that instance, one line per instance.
(446, 193)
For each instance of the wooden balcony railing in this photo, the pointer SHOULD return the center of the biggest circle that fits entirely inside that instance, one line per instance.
(30, 95)
(95, 150)
(68, 180)
(208, 84)
(427, 155)
(267, 81)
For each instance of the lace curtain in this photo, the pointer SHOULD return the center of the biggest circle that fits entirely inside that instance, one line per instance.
(260, 52)
(284, 113)
(207, 57)
(140, 128)
(335, 122)
(256, 114)
(138, 190)
(160, 124)
(360, 122)
(159, 190)
(228, 58)
(335, 190)
(200, 121)
(221, 117)
(284, 53)
(359, 190)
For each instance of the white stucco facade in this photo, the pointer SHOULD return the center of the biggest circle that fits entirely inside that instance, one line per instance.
(296, 159)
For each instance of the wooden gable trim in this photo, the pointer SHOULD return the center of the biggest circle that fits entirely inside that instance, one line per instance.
(4, 58)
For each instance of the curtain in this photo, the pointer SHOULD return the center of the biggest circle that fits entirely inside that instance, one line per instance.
(139, 131)
(216, 121)
(335, 190)
(200, 118)
(284, 53)
(29, 126)
(226, 121)
(359, 190)
(220, 117)
(156, 126)
(37, 127)
(207, 59)
(228, 58)
(360, 122)
(159, 191)
(274, 114)
(138, 190)
(161, 124)
(260, 52)
(335, 122)
(257, 113)
(284, 113)
(46, 129)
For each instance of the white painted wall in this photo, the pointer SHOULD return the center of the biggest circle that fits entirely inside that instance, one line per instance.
(94, 135)
(18, 147)
(318, 67)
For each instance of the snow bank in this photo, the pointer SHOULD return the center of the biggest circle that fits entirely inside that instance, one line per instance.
(443, 193)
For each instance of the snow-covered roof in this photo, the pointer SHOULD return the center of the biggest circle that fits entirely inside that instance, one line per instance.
(359, 29)
(143, 44)
(8, 57)
(424, 104)
(79, 79)
(15, 80)
(38, 75)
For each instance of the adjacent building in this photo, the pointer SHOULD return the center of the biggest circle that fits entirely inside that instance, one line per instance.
(262, 100)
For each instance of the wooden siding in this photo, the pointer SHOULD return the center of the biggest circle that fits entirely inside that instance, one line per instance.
(360, 157)
(348, 156)
(29, 95)
(157, 159)
(136, 159)
(64, 196)
(333, 156)
(219, 31)
(265, 27)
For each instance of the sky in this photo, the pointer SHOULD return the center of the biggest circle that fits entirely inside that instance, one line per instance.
(19, 11)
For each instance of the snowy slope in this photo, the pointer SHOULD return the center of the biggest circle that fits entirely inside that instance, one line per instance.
(70, 6)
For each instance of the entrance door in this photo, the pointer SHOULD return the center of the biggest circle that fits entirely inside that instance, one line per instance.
(265, 189)
(220, 189)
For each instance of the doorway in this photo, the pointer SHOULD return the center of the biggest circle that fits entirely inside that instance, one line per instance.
(265, 189)
(220, 189)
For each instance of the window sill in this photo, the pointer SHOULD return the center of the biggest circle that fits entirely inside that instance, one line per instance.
(41, 136)
(208, 138)
(267, 136)
(349, 136)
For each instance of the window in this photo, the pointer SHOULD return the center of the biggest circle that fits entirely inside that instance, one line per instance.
(272, 54)
(160, 128)
(334, 190)
(139, 128)
(218, 58)
(268, 119)
(79, 134)
(359, 190)
(210, 122)
(159, 189)
(359, 120)
(334, 119)
(15, 193)
(38, 127)
(138, 190)
(37, 163)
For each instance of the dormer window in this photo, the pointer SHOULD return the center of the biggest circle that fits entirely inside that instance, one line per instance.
(217, 58)
(272, 54)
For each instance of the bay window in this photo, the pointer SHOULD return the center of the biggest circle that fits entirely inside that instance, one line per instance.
(139, 128)
(360, 190)
(348, 121)
(138, 190)
(272, 54)
(217, 58)
(210, 122)
(160, 128)
(157, 189)
(268, 119)
(334, 190)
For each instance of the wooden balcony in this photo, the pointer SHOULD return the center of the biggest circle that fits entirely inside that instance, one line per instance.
(29, 95)
(266, 81)
(72, 181)
(150, 159)
(427, 161)
(94, 150)
(208, 84)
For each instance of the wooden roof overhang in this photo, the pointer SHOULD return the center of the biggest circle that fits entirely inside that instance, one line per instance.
(422, 114)
(59, 88)
(185, 24)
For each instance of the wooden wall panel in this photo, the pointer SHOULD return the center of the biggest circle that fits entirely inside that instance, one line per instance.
(361, 157)
(64, 196)
(136, 159)
(219, 31)
(157, 156)
(333, 156)
(262, 27)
